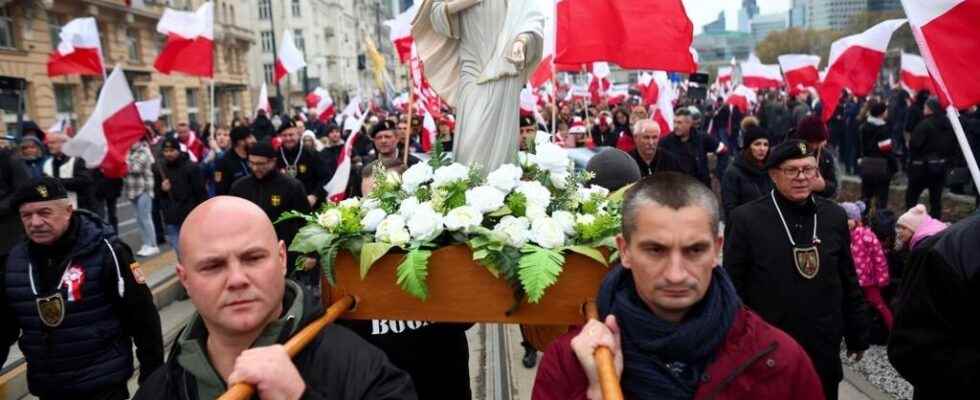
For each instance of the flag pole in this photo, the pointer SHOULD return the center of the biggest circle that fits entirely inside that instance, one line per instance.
(411, 102)
(971, 161)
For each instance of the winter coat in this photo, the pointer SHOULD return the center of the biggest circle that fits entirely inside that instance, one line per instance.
(78, 180)
(692, 155)
(187, 188)
(817, 312)
(869, 258)
(755, 361)
(743, 183)
(871, 135)
(336, 364)
(776, 118)
(13, 174)
(933, 138)
(828, 170)
(934, 343)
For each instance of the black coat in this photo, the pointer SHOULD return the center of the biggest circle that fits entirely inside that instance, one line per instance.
(309, 169)
(934, 343)
(81, 181)
(828, 170)
(275, 194)
(187, 189)
(743, 183)
(871, 135)
(13, 174)
(228, 169)
(691, 156)
(933, 138)
(816, 312)
(662, 162)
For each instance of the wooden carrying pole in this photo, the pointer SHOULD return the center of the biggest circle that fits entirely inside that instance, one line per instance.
(295, 344)
(608, 380)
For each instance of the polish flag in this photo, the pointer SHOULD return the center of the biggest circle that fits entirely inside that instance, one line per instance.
(618, 93)
(854, 64)
(429, 131)
(663, 112)
(320, 103)
(111, 130)
(915, 77)
(190, 41)
(946, 32)
(400, 32)
(290, 58)
(264, 101)
(336, 188)
(724, 76)
(529, 101)
(800, 70)
(648, 88)
(742, 98)
(79, 52)
(761, 76)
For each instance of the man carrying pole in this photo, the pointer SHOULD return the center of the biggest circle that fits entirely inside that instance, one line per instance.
(234, 268)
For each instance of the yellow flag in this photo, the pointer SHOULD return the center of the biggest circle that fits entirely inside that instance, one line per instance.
(377, 62)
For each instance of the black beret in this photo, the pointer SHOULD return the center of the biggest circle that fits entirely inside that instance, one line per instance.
(262, 149)
(44, 188)
(383, 125)
(528, 121)
(239, 133)
(286, 124)
(793, 149)
(171, 142)
(753, 133)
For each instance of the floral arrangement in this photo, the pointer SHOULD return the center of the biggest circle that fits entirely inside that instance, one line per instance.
(519, 221)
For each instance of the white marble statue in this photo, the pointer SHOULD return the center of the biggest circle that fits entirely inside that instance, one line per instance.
(478, 55)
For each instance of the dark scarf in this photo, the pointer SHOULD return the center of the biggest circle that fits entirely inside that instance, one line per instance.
(662, 359)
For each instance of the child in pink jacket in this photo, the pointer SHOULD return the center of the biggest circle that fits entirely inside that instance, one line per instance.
(869, 260)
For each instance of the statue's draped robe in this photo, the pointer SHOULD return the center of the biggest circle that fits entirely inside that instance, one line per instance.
(464, 59)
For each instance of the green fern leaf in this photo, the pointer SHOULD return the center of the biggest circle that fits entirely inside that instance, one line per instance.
(412, 272)
(538, 269)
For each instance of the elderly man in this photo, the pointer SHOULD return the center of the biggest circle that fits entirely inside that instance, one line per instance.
(646, 135)
(76, 299)
(672, 318)
(233, 266)
(789, 255)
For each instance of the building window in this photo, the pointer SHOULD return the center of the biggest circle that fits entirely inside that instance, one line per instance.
(298, 38)
(267, 41)
(64, 98)
(191, 105)
(231, 13)
(265, 9)
(269, 71)
(54, 30)
(297, 11)
(166, 104)
(133, 45)
(6, 29)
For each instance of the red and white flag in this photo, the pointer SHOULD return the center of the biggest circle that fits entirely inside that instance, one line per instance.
(800, 70)
(290, 58)
(663, 106)
(529, 101)
(724, 76)
(947, 32)
(761, 76)
(429, 131)
(634, 34)
(79, 51)
(742, 98)
(618, 94)
(190, 41)
(336, 188)
(111, 130)
(264, 101)
(320, 103)
(854, 64)
(400, 32)
(915, 76)
(648, 88)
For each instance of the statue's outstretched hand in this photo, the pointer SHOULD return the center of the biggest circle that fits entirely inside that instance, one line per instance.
(516, 55)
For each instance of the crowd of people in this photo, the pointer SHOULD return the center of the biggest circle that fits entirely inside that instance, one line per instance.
(802, 273)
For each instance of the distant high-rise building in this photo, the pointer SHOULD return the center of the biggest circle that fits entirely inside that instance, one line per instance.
(833, 14)
(745, 14)
(884, 5)
(798, 13)
(762, 25)
(750, 8)
(716, 26)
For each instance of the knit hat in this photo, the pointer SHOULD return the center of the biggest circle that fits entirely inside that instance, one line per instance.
(613, 169)
(854, 210)
(811, 130)
(751, 134)
(913, 217)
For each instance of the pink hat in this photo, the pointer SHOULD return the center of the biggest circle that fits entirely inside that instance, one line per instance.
(913, 217)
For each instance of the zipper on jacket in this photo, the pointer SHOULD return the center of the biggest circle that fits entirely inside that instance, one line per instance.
(741, 368)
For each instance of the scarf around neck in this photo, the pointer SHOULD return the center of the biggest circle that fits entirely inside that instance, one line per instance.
(663, 359)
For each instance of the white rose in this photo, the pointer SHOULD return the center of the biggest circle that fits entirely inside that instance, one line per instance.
(552, 157)
(352, 202)
(585, 194)
(505, 178)
(329, 219)
(415, 176)
(558, 179)
(514, 230)
(408, 206)
(485, 198)
(370, 204)
(535, 193)
(463, 218)
(566, 220)
(399, 237)
(534, 212)
(449, 174)
(525, 158)
(547, 233)
(425, 223)
(387, 226)
(585, 219)
(371, 220)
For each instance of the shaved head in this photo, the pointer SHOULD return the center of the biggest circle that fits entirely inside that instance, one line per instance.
(233, 266)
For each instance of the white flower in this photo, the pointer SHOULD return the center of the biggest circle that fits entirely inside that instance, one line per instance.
(485, 198)
(371, 220)
(535, 193)
(515, 231)
(370, 204)
(352, 202)
(449, 174)
(533, 212)
(566, 220)
(464, 217)
(525, 158)
(408, 206)
(552, 158)
(558, 179)
(399, 237)
(425, 223)
(547, 233)
(585, 219)
(329, 219)
(392, 230)
(585, 194)
(415, 176)
(505, 177)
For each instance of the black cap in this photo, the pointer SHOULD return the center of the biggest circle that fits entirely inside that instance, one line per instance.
(286, 124)
(239, 133)
(262, 149)
(171, 143)
(793, 149)
(751, 134)
(44, 188)
(383, 125)
(528, 121)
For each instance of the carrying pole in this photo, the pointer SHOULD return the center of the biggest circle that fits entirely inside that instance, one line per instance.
(608, 380)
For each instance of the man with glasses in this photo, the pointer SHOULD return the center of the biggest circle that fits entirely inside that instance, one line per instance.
(789, 257)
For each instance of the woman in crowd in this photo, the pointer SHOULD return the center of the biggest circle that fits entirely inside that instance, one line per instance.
(747, 179)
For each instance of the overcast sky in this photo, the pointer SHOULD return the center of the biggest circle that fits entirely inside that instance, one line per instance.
(705, 11)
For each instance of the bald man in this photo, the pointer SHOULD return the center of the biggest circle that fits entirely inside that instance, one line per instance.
(246, 309)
